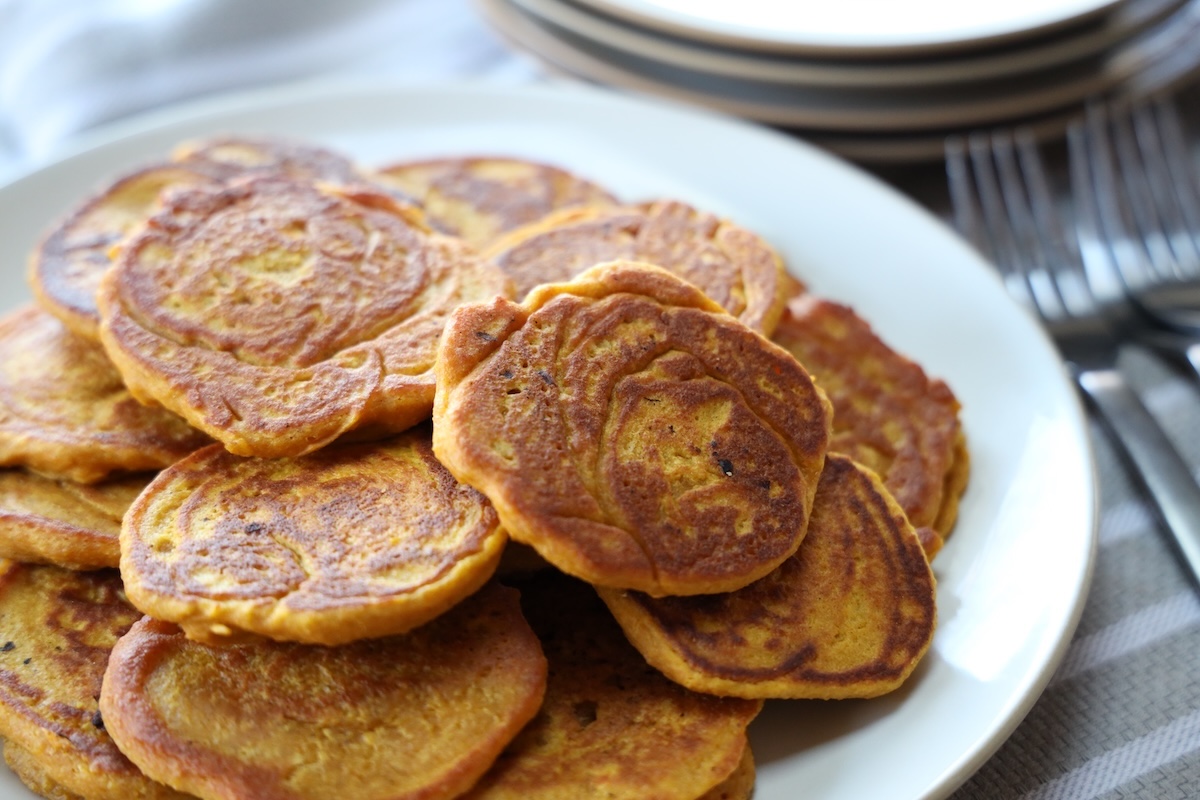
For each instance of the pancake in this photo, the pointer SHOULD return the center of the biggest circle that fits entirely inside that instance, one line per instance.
(66, 267)
(58, 628)
(956, 483)
(353, 541)
(730, 264)
(887, 413)
(277, 315)
(739, 785)
(229, 157)
(421, 715)
(64, 412)
(480, 198)
(631, 432)
(69, 524)
(850, 615)
(610, 726)
(31, 773)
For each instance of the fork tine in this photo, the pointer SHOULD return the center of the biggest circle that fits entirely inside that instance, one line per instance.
(987, 197)
(1041, 269)
(1098, 263)
(1136, 158)
(1060, 249)
(1181, 176)
(967, 214)
(1111, 215)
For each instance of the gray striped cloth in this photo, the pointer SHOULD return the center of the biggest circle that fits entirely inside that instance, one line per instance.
(1121, 717)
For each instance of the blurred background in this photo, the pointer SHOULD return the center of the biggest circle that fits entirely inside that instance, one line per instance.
(859, 78)
(67, 66)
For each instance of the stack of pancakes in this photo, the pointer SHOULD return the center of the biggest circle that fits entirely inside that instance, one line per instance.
(454, 478)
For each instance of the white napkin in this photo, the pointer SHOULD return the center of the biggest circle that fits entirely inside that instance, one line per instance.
(67, 65)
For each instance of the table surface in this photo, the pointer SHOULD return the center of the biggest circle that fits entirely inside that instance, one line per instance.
(1121, 718)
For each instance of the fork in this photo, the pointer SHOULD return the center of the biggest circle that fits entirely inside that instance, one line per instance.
(1137, 198)
(1003, 204)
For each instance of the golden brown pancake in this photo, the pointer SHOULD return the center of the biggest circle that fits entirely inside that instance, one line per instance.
(65, 269)
(610, 726)
(480, 198)
(739, 785)
(956, 484)
(931, 542)
(730, 264)
(230, 157)
(421, 715)
(65, 413)
(353, 541)
(887, 413)
(850, 615)
(57, 628)
(631, 432)
(72, 525)
(277, 314)
(31, 773)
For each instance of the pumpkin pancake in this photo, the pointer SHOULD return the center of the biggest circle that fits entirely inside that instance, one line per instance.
(70, 524)
(65, 269)
(887, 413)
(276, 314)
(850, 615)
(353, 541)
(478, 199)
(956, 484)
(64, 412)
(730, 264)
(739, 785)
(631, 432)
(31, 773)
(420, 715)
(230, 157)
(610, 725)
(57, 628)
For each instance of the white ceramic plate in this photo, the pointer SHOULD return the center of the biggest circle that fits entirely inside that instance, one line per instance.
(1012, 578)
(1072, 45)
(865, 27)
(858, 109)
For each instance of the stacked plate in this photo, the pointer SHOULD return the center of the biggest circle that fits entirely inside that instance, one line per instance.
(874, 80)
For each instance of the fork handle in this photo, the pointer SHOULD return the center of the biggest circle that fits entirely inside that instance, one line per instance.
(1183, 349)
(1163, 471)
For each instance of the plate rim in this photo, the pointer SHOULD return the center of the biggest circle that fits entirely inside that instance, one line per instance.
(644, 13)
(707, 58)
(1078, 81)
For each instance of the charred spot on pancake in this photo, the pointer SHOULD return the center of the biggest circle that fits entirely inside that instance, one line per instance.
(704, 488)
